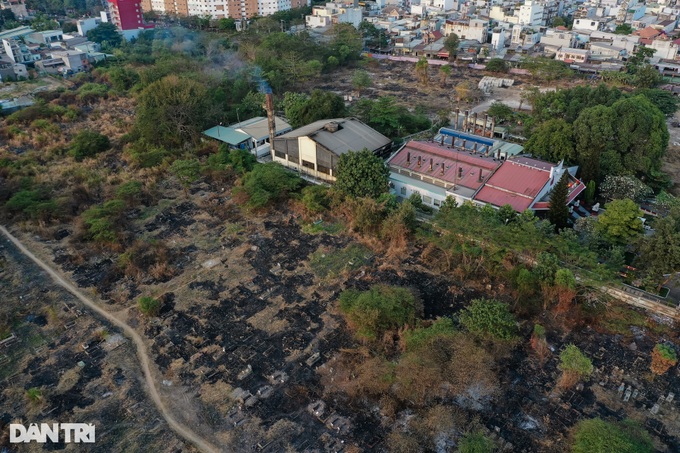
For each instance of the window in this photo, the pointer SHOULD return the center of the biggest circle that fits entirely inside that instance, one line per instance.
(279, 154)
(436, 202)
(324, 170)
(427, 199)
(403, 190)
(306, 164)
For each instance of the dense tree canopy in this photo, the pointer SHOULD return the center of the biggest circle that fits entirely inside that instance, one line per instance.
(301, 109)
(620, 223)
(173, 110)
(105, 33)
(362, 174)
(553, 141)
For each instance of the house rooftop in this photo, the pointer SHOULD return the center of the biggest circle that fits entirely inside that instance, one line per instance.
(350, 135)
(444, 163)
(16, 32)
(237, 133)
(517, 183)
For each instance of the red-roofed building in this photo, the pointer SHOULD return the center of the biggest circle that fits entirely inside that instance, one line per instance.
(436, 171)
(126, 15)
(525, 183)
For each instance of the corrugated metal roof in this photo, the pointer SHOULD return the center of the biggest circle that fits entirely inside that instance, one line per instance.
(258, 128)
(447, 163)
(352, 135)
(226, 135)
(498, 197)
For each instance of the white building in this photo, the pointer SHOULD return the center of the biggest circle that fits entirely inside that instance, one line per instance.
(553, 39)
(333, 13)
(85, 25)
(467, 29)
(665, 50)
(570, 55)
(530, 14)
(588, 23)
(18, 52)
(498, 39)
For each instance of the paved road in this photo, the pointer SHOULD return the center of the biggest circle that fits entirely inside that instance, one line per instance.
(142, 353)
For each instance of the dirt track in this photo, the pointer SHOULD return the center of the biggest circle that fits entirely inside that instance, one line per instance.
(142, 353)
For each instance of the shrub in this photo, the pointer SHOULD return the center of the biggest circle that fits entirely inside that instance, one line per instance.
(34, 394)
(267, 184)
(475, 443)
(102, 221)
(417, 338)
(92, 91)
(574, 365)
(88, 144)
(33, 202)
(148, 305)
(489, 318)
(371, 313)
(663, 358)
(598, 436)
(129, 191)
(315, 199)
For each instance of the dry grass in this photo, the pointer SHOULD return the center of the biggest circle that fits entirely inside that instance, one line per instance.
(68, 380)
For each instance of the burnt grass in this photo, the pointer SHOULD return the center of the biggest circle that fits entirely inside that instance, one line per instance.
(527, 414)
(50, 345)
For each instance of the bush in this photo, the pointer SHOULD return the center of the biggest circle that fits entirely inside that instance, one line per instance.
(102, 221)
(663, 358)
(129, 191)
(417, 338)
(33, 202)
(599, 436)
(489, 318)
(371, 313)
(143, 155)
(315, 199)
(497, 65)
(92, 91)
(475, 443)
(88, 144)
(148, 305)
(267, 184)
(574, 366)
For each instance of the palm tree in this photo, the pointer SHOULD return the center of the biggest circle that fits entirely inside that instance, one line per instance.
(444, 74)
(422, 67)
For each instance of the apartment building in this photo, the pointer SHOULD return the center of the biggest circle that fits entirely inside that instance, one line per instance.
(218, 9)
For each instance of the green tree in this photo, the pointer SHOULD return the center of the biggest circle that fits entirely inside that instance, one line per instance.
(302, 110)
(226, 24)
(149, 306)
(552, 140)
(664, 100)
(500, 111)
(476, 442)
(558, 211)
(187, 171)
(598, 436)
(422, 70)
(620, 187)
(346, 43)
(661, 251)
(594, 135)
(620, 223)
(172, 111)
(489, 317)
(105, 33)
(574, 365)
(267, 184)
(639, 58)
(444, 74)
(647, 76)
(623, 29)
(497, 65)
(589, 193)
(547, 69)
(451, 44)
(88, 144)
(361, 80)
(381, 308)
(362, 174)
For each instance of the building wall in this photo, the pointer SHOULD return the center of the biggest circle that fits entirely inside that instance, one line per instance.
(85, 25)
(405, 190)
(126, 14)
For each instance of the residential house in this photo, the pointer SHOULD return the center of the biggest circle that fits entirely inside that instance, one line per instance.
(46, 37)
(252, 134)
(74, 61)
(525, 183)
(467, 29)
(606, 51)
(314, 149)
(665, 49)
(19, 52)
(85, 25)
(333, 13)
(647, 35)
(554, 40)
(589, 23)
(571, 55)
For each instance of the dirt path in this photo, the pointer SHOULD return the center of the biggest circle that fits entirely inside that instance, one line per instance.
(142, 353)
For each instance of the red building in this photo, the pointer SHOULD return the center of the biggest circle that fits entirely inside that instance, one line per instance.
(127, 14)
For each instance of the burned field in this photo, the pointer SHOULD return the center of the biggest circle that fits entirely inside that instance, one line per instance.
(248, 321)
(60, 364)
